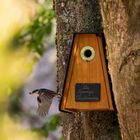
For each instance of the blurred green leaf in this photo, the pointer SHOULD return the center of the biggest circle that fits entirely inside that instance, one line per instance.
(51, 125)
(62, 137)
(54, 122)
(13, 102)
(33, 36)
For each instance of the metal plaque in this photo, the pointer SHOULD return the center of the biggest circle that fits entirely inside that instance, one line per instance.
(87, 92)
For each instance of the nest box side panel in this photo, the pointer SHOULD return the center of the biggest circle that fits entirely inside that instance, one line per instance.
(69, 74)
(105, 74)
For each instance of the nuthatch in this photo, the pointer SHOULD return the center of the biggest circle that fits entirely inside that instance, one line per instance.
(44, 99)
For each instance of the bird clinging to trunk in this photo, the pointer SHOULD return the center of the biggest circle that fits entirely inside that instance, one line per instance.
(44, 99)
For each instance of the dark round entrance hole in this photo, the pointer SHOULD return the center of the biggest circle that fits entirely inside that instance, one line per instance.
(87, 53)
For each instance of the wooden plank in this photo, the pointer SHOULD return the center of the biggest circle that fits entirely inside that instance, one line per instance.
(105, 74)
(69, 74)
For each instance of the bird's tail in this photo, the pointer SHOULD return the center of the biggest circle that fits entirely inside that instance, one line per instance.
(58, 95)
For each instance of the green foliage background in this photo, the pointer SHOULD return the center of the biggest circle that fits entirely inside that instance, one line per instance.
(16, 62)
(33, 36)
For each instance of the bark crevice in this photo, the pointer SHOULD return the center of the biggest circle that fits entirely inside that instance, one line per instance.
(86, 123)
(131, 56)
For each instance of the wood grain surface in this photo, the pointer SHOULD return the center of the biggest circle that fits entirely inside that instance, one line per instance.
(81, 71)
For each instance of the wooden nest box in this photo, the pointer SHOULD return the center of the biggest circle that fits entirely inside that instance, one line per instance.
(86, 84)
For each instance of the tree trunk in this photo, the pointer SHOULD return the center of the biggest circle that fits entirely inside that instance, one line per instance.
(121, 20)
(80, 16)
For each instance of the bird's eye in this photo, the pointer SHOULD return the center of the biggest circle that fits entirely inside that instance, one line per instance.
(38, 99)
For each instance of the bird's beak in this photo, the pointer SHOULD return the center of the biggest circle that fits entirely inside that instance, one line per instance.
(34, 93)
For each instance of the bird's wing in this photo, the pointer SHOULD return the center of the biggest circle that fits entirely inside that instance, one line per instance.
(44, 106)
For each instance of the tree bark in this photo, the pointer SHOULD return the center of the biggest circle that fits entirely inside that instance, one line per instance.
(121, 19)
(80, 16)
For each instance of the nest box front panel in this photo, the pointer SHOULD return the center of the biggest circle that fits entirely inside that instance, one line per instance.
(87, 86)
